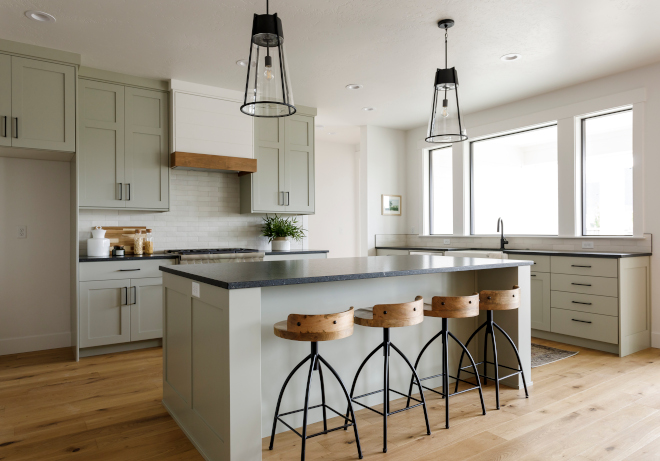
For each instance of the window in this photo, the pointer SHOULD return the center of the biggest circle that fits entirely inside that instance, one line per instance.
(441, 196)
(607, 161)
(514, 177)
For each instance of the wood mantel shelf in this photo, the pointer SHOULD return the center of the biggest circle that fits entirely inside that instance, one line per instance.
(220, 163)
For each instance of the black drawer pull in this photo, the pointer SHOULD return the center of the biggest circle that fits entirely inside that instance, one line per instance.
(579, 302)
(581, 321)
(532, 275)
(577, 265)
(128, 270)
(581, 284)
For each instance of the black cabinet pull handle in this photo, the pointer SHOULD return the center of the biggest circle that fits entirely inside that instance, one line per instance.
(134, 295)
(287, 199)
(577, 265)
(581, 321)
(581, 284)
(579, 302)
(533, 275)
(129, 191)
(15, 127)
(125, 296)
(128, 270)
(4, 124)
(121, 191)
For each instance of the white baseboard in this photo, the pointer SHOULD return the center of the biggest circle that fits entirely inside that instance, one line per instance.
(655, 340)
(34, 343)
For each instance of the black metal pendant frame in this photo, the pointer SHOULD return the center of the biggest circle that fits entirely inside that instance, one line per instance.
(267, 24)
(387, 345)
(446, 334)
(490, 326)
(315, 364)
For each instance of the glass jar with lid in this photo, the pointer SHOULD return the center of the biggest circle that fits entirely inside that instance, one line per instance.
(149, 243)
(138, 243)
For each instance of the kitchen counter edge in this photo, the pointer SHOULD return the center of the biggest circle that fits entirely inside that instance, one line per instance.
(585, 254)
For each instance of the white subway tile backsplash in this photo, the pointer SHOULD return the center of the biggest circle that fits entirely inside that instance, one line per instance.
(204, 213)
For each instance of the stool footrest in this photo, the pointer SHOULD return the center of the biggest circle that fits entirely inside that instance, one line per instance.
(380, 412)
(489, 363)
(321, 405)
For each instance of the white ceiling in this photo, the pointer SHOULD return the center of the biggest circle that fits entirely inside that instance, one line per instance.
(392, 47)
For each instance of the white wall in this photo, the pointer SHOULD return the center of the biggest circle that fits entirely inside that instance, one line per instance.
(334, 226)
(382, 171)
(645, 78)
(34, 272)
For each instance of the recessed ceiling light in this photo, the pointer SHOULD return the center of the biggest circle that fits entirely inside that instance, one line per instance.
(368, 109)
(40, 16)
(354, 86)
(511, 57)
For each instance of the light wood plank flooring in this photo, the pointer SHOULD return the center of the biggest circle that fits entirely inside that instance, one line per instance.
(593, 406)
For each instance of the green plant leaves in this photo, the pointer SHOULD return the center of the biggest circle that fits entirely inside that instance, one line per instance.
(276, 226)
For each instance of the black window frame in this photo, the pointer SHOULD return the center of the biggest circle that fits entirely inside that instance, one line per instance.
(540, 127)
(583, 158)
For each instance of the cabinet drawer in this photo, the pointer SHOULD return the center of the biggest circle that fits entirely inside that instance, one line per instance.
(114, 270)
(597, 267)
(604, 305)
(541, 263)
(584, 284)
(583, 325)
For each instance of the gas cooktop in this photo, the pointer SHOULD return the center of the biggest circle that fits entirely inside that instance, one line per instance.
(201, 251)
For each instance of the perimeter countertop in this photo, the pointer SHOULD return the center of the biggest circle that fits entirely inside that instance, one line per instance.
(586, 254)
(131, 257)
(277, 273)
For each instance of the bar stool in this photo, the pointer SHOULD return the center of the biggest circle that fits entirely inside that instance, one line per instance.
(450, 307)
(496, 300)
(314, 328)
(388, 316)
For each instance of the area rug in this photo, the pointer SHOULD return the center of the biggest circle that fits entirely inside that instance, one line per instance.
(543, 355)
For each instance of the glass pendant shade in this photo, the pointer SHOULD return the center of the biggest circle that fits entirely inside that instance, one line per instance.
(267, 89)
(445, 125)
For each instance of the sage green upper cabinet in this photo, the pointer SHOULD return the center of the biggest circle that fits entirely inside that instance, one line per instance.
(299, 164)
(268, 182)
(101, 163)
(5, 100)
(284, 181)
(146, 157)
(43, 100)
(123, 151)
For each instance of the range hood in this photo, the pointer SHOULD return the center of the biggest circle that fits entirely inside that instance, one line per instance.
(219, 163)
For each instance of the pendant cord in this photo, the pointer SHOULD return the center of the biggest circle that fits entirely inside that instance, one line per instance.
(445, 48)
(267, 7)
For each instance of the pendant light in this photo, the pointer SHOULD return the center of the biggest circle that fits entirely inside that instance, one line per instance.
(267, 87)
(446, 125)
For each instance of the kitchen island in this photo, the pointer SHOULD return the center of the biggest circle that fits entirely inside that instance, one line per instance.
(223, 367)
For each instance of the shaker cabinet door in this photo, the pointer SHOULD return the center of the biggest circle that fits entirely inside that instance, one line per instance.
(268, 182)
(105, 312)
(146, 308)
(5, 100)
(43, 105)
(299, 164)
(101, 153)
(146, 151)
(540, 302)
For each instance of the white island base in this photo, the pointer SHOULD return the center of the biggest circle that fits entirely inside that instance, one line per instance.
(223, 367)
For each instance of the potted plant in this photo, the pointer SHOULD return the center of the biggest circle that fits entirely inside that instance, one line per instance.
(279, 229)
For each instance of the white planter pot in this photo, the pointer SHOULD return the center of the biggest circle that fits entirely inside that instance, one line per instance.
(281, 244)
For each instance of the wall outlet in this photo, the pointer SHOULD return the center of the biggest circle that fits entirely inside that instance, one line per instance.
(446, 241)
(588, 245)
(22, 232)
(195, 289)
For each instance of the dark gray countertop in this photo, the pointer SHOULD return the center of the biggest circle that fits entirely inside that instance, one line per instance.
(89, 259)
(131, 257)
(276, 273)
(587, 254)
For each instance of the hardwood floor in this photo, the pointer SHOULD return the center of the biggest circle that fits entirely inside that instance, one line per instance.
(593, 406)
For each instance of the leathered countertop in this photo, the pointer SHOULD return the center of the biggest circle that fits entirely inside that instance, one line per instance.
(586, 254)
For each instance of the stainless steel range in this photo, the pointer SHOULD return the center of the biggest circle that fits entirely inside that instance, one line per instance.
(217, 255)
(212, 251)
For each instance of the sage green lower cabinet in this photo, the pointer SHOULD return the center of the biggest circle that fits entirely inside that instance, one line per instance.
(5, 100)
(540, 301)
(146, 309)
(105, 312)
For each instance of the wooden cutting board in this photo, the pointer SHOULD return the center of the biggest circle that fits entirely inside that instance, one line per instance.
(120, 235)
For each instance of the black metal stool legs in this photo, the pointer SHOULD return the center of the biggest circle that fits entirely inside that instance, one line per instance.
(490, 326)
(445, 333)
(315, 364)
(386, 345)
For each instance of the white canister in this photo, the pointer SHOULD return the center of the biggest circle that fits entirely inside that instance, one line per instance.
(98, 245)
(281, 244)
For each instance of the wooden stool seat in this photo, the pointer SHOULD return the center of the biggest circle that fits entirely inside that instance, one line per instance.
(391, 315)
(313, 328)
(499, 300)
(453, 307)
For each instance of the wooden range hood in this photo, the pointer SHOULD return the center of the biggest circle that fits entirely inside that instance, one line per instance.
(219, 163)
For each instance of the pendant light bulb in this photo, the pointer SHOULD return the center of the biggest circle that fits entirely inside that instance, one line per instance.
(445, 112)
(268, 73)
